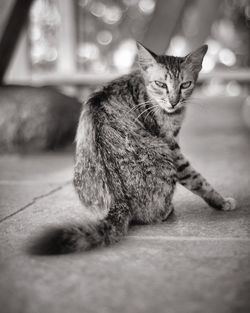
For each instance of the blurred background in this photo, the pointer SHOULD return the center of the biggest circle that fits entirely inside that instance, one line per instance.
(53, 53)
(79, 44)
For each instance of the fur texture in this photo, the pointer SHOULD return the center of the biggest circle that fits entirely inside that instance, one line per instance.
(127, 156)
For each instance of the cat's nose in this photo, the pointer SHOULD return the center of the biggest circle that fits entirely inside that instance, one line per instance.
(174, 100)
(173, 103)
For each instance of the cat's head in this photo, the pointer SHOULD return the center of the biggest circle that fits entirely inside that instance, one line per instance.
(170, 80)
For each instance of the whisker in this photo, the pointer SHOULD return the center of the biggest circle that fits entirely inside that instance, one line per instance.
(147, 115)
(137, 106)
(137, 118)
(156, 106)
(157, 109)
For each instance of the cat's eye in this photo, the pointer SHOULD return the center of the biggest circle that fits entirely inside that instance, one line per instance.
(160, 84)
(186, 85)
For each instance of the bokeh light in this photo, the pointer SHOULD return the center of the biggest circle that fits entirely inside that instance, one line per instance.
(45, 22)
(125, 54)
(106, 30)
(227, 57)
(112, 15)
(98, 9)
(88, 51)
(147, 6)
(213, 47)
(208, 64)
(104, 37)
(177, 46)
(111, 26)
(233, 88)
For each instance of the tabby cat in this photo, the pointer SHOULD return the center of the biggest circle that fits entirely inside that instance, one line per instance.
(127, 156)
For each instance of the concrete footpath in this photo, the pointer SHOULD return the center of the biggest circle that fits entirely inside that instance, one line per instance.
(197, 261)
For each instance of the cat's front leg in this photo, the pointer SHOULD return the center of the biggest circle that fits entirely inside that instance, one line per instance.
(195, 182)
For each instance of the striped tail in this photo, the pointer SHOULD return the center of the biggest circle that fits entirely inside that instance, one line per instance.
(78, 238)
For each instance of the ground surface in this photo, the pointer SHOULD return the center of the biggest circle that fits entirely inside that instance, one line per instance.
(197, 261)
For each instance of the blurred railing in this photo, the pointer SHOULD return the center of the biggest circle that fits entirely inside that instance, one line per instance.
(68, 71)
(88, 79)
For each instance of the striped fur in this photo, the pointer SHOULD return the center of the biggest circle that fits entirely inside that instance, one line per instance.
(127, 156)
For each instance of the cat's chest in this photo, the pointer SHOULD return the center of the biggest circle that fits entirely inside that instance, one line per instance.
(170, 124)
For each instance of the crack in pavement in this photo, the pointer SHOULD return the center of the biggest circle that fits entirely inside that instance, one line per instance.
(35, 199)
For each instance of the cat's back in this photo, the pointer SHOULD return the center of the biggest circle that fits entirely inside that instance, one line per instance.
(106, 107)
(101, 134)
(120, 91)
(89, 173)
(111, 105)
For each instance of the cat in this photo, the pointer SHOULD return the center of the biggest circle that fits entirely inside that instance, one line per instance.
(128, 160)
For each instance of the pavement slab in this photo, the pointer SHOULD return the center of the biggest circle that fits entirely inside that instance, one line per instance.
(25, 179)
(135, 276)
(197, 261)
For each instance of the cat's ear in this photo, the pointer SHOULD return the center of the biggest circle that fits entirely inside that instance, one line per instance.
(195, 58)
(146, 58)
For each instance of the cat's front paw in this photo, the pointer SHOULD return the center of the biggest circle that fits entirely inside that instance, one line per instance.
(230, 204)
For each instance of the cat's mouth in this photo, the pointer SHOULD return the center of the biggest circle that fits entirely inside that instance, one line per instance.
(170, 110)
(167, 106)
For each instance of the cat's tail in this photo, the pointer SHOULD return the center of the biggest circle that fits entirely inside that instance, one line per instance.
(78, 238)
